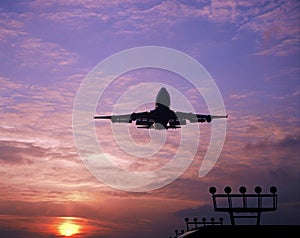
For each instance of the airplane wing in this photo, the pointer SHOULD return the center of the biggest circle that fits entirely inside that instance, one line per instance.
(147, 119)
(195, 118)
(142, 119)
(117, 118)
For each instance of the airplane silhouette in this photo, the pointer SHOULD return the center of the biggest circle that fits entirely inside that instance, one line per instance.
(162, 117)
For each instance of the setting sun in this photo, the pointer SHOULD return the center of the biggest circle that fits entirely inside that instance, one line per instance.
(68, 229)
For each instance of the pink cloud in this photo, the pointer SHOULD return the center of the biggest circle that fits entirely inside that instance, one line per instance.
(238, 96)
(34, 52)
(284, 48)
(11, 26)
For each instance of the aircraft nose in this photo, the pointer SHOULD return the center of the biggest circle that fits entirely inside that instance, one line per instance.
(163, 97)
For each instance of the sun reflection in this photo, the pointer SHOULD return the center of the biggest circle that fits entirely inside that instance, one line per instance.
(68, 228)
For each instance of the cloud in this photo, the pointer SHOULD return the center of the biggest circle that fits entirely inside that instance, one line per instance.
(276, 151)
(11, 26)
(34, 52)
(78, 18)
(284, 48)
(156, 17)
(238, 96)
(76, 14)
(32, 172)
(26, 109)
(13, 152)
(275, 22)
(291, 72)
(289, 142)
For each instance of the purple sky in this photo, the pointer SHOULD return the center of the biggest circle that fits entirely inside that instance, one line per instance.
(251, 50)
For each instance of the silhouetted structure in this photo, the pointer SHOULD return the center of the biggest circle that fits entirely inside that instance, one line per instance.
(203, 222)
(197, 224)
(177, 233)
(240, 203)
(235, 204)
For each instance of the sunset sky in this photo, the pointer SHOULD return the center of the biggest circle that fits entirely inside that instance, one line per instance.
(47, 49)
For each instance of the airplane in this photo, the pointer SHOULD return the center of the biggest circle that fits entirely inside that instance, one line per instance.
(162, 117)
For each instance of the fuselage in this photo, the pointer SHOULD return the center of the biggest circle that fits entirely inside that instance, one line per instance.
(162, 114)
(163, 98)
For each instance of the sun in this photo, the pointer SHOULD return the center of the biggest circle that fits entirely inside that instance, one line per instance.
(68, 229)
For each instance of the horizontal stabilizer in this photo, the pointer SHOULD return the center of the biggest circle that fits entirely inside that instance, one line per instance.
(102, 117)
(216, 117)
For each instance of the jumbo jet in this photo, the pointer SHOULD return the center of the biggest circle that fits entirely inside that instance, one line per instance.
(162, 117)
